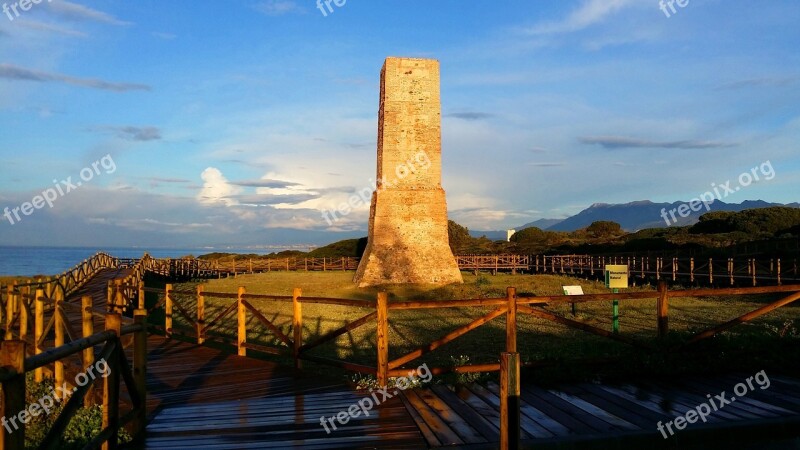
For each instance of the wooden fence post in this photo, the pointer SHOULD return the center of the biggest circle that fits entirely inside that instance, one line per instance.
(663, 309)
(511, 320)
(141, 295)
(140, 372)
(674, 269)
(383, 339)
(168, 310)
(12, 356)
(10, 312)
(509, 401)
(23, 316)
(111, 384)
(730, 270)
(58, 326)
(297, 326)
(88, 354)
(119, 297)
(201, 314)
(711, 271)
(38, 330)
(241, 320)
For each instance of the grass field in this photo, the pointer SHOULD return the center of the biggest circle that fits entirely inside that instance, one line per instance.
(769, 342)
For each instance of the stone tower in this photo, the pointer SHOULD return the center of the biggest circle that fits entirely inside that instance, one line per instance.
(408, 240)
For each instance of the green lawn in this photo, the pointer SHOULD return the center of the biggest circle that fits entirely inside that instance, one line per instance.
(537, 339)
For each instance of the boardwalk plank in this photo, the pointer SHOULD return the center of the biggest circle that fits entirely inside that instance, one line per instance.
(593, 422)
(627, 410)
(684, 401)
(595, 410)
(737, 407)
(488, 430)
(748, 398)
(484, 408)
(651, 401)
(444, 433)
(553, 426)
(457, 423)
(532, 427)
(785, 399)
(575, 426)
(426, 431)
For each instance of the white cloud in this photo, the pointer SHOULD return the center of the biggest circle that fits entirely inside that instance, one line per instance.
(279, 7)
(216, 189)
(17, 73)
(587, 14)
(76, 11)
(49, 28)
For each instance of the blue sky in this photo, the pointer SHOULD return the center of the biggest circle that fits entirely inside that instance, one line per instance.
(238, 122)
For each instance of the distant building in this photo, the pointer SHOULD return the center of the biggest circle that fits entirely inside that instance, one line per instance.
(509, 233)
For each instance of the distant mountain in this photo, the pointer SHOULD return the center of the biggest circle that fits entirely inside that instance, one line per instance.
(501, 234)
(492, 235)
(542, 224)
(646, 214)
(632, 216)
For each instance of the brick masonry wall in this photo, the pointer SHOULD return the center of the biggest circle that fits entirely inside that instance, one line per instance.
(408, 241)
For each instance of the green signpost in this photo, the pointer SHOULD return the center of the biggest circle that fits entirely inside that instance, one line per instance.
(616, 279)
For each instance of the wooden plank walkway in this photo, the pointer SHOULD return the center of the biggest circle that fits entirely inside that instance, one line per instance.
(198, 396)
(586, 415)
(201, 397)
(207, 398)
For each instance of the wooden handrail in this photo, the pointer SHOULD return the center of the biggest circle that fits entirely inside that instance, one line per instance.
(12, 377)
(381, 307)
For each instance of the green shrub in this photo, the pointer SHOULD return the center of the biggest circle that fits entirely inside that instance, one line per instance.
(83, 427)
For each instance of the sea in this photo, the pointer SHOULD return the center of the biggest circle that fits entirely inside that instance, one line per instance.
(47, 261)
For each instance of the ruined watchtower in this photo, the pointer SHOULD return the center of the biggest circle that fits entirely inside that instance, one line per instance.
(408, 240)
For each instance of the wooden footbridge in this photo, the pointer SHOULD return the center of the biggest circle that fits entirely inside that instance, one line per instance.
(170, 393)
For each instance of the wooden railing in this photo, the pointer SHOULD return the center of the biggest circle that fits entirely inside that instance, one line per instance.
(708, 271)
(378, 312)
(35, 318)
(15, 363)
(248, 265)
(64, 285)
(494, 263)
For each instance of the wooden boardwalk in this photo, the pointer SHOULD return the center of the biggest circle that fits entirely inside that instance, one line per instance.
(199, 397)
(205, 398)
(610, 416)
(220, 401)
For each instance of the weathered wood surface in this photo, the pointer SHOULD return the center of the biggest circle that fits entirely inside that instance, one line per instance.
(608, 416)
(206, 398)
